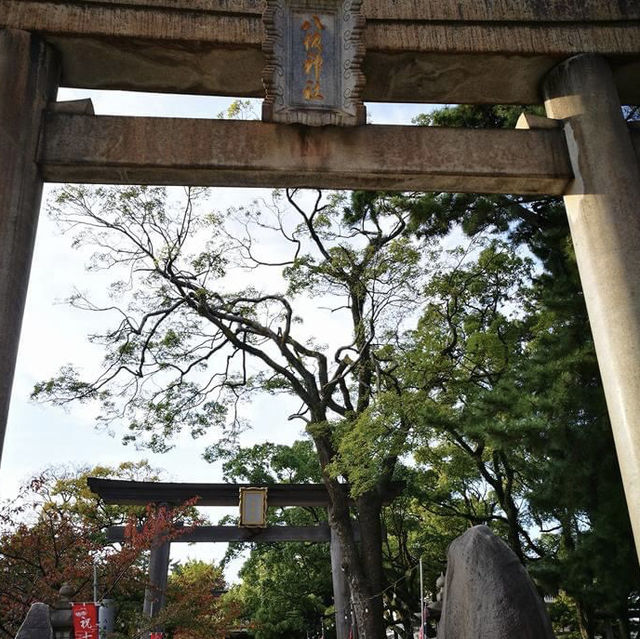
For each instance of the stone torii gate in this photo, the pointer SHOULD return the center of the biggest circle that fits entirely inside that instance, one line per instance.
(580, 57)
(141, 493)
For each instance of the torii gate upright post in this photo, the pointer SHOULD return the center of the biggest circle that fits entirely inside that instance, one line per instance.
(603, 207)
(155, 592)
(28, 81)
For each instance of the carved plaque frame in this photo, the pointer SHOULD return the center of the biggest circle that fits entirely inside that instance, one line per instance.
(314, 51)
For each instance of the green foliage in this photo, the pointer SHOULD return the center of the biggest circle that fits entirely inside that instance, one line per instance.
(286, 588)
(54, 531)
(365, 442)
(494, 116)
(273, 464)
(516, 430)
(240, 110)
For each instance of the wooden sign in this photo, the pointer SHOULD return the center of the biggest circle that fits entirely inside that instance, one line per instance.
(313, 52)
(253, 507)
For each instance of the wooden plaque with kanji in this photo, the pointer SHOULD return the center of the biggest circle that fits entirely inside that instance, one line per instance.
(313, 52)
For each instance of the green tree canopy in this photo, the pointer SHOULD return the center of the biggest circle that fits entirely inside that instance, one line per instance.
(189, 344)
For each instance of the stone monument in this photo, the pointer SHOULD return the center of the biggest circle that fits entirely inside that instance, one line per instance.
(488, 593)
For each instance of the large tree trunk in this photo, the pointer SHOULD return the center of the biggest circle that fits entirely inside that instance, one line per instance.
(585, 623)
(362, 565)
(369, 506)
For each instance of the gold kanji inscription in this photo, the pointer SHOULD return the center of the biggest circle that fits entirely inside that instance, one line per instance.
(312, 65)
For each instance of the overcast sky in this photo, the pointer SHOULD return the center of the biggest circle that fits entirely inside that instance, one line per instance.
(53, 334)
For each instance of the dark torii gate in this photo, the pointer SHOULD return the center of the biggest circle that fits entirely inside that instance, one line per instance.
(121, 492)
(579, 57)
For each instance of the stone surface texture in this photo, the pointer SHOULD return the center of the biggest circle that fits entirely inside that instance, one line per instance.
(37, 624)
(482, 51)
(488, 593)
(155, 591)
(28, 80)
(244, 153)
(603, 207)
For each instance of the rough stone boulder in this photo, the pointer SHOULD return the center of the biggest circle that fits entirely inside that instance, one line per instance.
(488, 593)
(37, 623)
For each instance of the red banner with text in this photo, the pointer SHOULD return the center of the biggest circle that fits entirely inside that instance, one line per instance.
(85, 620)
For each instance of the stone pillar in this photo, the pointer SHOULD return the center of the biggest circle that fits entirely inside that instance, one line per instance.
(155, 592)
(603, 207)
(28, 81)
(340, 589)
(61, 614)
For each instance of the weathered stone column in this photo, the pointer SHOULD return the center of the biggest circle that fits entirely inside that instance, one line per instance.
(61, 615)
(28, 81)
(603, 206)
(155, 593)
(156, 590)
